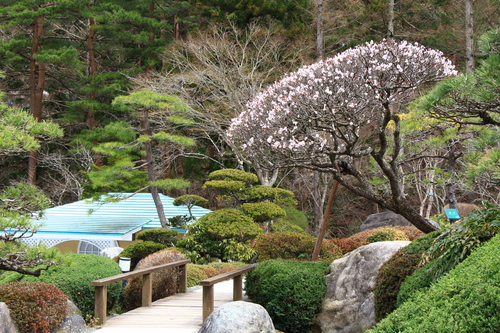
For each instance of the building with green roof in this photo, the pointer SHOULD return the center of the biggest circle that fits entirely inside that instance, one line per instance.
(89, 227)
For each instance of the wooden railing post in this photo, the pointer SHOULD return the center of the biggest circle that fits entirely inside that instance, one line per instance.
(238, 288)
(183, 279)
(147, 289)
(208, 301)
(101, 293)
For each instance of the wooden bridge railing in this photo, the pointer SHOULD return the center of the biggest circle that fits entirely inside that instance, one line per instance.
(208, 287)
(101, 286)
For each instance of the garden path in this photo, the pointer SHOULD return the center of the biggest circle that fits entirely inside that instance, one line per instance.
(179, 313)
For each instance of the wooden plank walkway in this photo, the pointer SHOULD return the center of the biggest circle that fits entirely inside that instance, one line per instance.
(179, 313)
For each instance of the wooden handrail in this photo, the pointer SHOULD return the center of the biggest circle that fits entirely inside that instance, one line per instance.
(101, 286)
(208, 287)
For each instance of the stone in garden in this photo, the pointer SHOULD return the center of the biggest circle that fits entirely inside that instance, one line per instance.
(239, 316)
(348, 306)
(7, 325)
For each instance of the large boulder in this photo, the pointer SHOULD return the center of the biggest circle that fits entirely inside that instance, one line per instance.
(239, 316)
(384, 219)
(7, 325)
(348, 306)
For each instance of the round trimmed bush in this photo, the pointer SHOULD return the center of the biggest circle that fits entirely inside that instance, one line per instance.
(138, 251)
(291, 292)
(159, 235)
(164, 282)
(283, 245)
(35, 307)
(223, 234)
(73, 277)
(285, 226)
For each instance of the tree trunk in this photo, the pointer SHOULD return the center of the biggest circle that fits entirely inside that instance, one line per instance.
(150, 169)
(317, 203)
(390, 21)
(469, 37)
(37, 84)
(319, 31)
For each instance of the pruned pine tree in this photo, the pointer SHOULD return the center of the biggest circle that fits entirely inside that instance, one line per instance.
(129, 151)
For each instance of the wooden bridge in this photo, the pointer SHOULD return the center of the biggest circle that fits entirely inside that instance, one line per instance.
(183, 312)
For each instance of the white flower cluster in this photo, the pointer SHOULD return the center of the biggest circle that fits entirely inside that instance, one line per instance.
(321, 108)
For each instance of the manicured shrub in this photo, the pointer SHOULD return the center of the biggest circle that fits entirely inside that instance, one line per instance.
(222, 234)
(346, 245)
(451, 247)
(138, 251)
(195, 274)
(291, 292)
(159, 235)
(164, 282)
(35, 307)
(378, 235)
(467, 299)
(329, 251)
(283, 245)
(73, 277)
(395, 270)
(284, 226)
(296, 217)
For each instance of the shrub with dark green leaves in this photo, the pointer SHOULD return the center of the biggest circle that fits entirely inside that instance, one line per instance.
(73, 278)
(451, 247)
(164, 282)
(223, 234)
(395, 270)
(138, 251)
(295, 217)
(35, 307)
(467, 299)
(291, 292)
(159, 235)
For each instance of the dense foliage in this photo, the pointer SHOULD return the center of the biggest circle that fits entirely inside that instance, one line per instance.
(450, 248)
(465, 300)
(378, 235)
(138, 251)
(35, 307)
(74, 278)
(291, 292)
(292, 245)
(158, 235)
(394, 271)
(197, 273)
(224, 234)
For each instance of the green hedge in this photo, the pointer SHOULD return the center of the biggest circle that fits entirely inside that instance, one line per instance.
(395, 270)
(73, 278)
(159, 235)
(467, 299)
(291, 292)
(138, 251)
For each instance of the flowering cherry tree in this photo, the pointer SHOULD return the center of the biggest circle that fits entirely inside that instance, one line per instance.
(343, 108)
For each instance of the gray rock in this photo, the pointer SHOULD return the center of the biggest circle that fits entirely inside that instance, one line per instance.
(7, 325)
(384, 219)
(73, 323)
(239, 316)
(348, 306)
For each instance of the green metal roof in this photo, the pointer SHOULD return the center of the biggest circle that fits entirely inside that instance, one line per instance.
(113, 220)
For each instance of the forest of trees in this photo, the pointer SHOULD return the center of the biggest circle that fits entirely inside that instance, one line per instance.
(143, 92)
